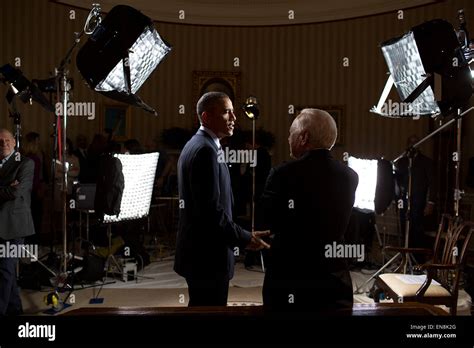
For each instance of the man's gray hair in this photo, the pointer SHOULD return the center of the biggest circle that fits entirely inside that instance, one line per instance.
(207, 102)
(320, 126)
(4, 130)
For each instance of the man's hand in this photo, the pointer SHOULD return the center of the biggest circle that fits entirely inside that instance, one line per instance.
(256, 243)
(15, 183)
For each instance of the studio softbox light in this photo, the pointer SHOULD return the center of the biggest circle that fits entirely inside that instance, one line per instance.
(415, 58)
(121, 54)
(375, 191)
(139, 175)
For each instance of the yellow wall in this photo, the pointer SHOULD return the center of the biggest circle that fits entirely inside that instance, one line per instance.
(299, 65)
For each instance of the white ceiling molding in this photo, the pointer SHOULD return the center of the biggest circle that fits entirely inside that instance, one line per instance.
(254, 12)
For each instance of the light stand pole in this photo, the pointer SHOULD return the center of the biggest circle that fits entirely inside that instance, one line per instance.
(65, 97)
(457, 191)
(253, 177)
(63, 89)
(408, 199)
(252, 112)
(253, 190)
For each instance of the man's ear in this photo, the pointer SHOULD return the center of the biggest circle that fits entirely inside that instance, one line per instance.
(304, 138)
(205, 118)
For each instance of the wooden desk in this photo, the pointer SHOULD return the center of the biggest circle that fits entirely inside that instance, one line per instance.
(375, 309)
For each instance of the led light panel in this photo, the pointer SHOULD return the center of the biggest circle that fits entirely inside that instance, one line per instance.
(139, 175)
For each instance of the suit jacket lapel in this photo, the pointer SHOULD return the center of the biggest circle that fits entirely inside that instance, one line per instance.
(7, 167)
(226, 173)
(208, 138)
(223, 166)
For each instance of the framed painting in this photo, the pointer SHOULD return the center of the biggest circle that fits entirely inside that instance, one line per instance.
(116, 120)
(217, 81)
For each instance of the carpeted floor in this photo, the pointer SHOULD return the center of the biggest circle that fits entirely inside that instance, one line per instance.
(159, 286)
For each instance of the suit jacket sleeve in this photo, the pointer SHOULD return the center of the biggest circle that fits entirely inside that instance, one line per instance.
(205, 185)
(272, 201)
(25, 178)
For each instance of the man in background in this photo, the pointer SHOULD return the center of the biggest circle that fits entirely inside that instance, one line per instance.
(307, 205)
(16, 182)
(422, 193)
(82, 154)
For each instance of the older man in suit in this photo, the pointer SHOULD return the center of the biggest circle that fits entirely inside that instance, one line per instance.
(307, 204)
(207, 235)
(16, 181)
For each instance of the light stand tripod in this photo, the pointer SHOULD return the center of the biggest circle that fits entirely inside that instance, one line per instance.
(111, 261)
(410, 154)
(457, 192)
(62, 280)
(134, 176)
(428, 81)
(63, 88)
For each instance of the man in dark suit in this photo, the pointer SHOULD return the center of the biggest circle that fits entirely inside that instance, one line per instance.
(307, 204)
(207, 235)
(16, 182)
(422, 193)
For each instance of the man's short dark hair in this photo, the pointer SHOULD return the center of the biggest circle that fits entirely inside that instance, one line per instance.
(207, 102)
